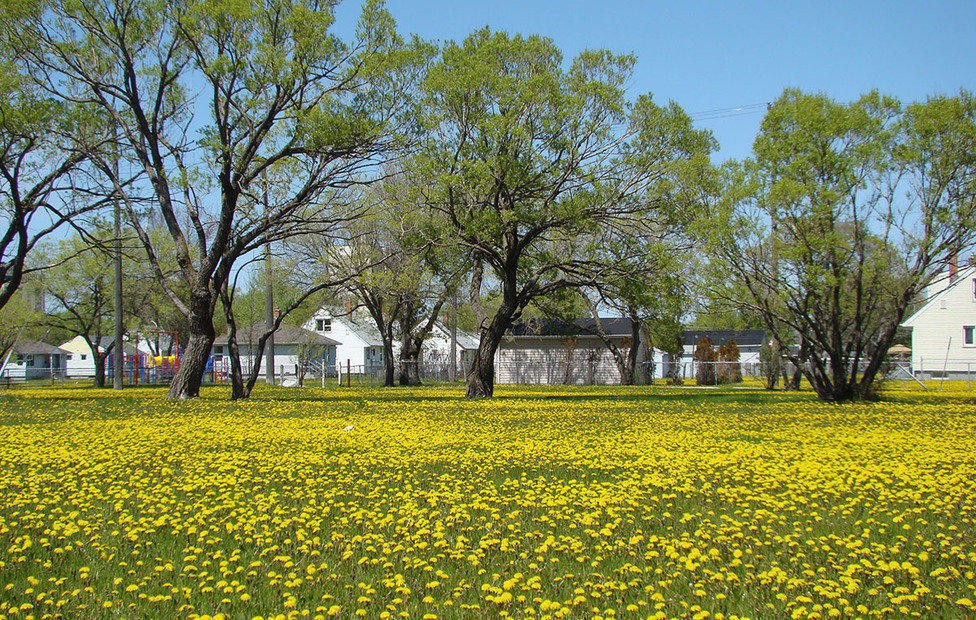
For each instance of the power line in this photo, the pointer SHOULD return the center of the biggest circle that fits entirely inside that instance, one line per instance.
(740, 110)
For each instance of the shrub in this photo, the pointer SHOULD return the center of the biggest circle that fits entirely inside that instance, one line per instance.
(770, 363)
(729, 371)
(705, 358)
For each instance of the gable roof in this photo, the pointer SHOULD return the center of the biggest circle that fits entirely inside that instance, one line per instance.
(36, 347)
(364, 331)
(465, 340)
(284, 335)
(107, 343)
(743, 337)
(965, 274)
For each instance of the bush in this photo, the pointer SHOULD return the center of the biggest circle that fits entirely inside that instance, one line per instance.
(770, 363)
(705, 356)
(729, 371)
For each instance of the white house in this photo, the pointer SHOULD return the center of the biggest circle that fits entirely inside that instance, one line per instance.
(944, 328)
(81, 362)
(551, 352)
(547, 351)
(357, 342)
(35, 360)
(293, 347)
(437, 348)
(749, 342)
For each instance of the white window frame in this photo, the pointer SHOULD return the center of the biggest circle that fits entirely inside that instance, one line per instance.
(972, 335)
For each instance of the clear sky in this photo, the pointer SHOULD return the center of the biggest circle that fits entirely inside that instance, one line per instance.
(721, 55)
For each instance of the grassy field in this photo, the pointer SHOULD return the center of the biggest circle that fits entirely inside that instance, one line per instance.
(568, 502)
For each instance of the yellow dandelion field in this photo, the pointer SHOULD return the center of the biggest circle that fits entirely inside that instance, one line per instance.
(543, 503)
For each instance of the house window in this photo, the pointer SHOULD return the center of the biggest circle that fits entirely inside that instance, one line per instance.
(323, 325)
(84, 356)
(219, 349)
(68, 356)
(974, 288)
(969, 335)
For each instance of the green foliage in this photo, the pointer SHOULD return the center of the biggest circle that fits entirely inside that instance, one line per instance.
(18, 321)
(842, 217)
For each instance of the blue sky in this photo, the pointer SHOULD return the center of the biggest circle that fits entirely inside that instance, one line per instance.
(720, 55)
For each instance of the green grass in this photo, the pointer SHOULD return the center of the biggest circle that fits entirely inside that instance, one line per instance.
(575, 502)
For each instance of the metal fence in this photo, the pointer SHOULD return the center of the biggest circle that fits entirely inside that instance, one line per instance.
(945, 368)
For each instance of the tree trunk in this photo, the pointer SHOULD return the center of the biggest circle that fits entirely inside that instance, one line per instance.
(389, 362)
(644, 357)
(193, 360)
(99, 359)
(481, 377)
(237, 389)
(410, 362)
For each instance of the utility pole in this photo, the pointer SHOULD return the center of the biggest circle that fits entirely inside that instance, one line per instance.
(452, 375)
(269, 313)
(119, 347)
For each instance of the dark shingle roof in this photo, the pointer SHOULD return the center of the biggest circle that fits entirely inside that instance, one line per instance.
(285, 335)
(745, 337)
(107, 341)
(35, 347)
(556, 328)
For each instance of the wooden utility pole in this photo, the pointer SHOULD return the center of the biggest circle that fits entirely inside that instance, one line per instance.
(118, 353)
(452, 375)
(269, 316)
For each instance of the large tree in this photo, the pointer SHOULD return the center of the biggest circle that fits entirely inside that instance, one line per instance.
(212, 101)
(842, 218)
(532, 161)
(79, 295)
(649, 287)
(44, 143)
(402, 269)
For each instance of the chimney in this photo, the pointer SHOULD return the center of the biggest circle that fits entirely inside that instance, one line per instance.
(953, 268)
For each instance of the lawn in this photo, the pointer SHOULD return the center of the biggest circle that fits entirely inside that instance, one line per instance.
(563, 502)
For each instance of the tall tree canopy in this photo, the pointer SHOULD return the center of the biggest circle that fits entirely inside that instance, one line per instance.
(45, 142)
(843, 216)
(237, 116)
(536, 164)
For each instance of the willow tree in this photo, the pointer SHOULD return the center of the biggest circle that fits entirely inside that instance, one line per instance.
(45, 143)
(844, 215)
(211, 100)
(534, 161)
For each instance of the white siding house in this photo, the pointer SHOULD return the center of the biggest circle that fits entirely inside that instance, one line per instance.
(35, 360)
(358, 344)
(293, 347)
(437, 348)
(554, 352)
(944, 328)
(81, 362)
(749, 342)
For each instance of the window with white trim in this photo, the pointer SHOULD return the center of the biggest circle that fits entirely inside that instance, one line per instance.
(323, 325)
(969, 335)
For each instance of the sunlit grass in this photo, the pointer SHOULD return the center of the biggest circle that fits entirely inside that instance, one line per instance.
(544, 502)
